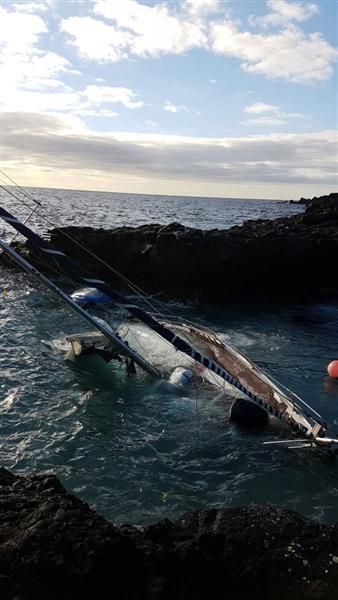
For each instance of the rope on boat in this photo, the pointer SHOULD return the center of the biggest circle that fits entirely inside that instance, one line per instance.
(136, 289)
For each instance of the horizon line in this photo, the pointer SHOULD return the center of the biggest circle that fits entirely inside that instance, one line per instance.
(147, 194)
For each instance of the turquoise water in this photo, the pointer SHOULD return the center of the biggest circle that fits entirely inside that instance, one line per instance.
(128, 447)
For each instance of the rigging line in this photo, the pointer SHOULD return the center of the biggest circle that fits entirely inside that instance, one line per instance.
(53, 267)
(25, 222)
(98, 324)
(23, 191)
(284, 387)
(197, 415)
(141, 293)
(17, 233)
(213, 377)
(15, 197)
(129, 283)
(132, 286)
(279, 387)
(140, 344)
(56, 269)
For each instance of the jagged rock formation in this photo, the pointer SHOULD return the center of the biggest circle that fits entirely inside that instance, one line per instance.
(316, 199)
(285, 257)
(54, 547)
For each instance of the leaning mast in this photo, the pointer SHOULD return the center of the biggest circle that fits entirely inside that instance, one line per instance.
(100, 325)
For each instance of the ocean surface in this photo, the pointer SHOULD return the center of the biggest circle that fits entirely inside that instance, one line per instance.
(130, 448)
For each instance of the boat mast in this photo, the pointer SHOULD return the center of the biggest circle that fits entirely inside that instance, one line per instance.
(101, 326)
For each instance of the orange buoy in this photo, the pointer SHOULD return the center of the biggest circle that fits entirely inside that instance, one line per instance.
(332, 369)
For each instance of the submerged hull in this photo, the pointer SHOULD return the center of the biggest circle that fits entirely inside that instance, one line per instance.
(259, 388)
(262, 390)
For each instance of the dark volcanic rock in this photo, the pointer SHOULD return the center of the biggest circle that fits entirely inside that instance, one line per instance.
(52, 546)
(287, 256)
(317, 200)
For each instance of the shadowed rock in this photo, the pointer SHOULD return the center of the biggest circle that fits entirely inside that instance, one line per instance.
(284, 257)
(53, 547)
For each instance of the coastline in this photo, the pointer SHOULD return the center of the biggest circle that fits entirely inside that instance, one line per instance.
(287, 257)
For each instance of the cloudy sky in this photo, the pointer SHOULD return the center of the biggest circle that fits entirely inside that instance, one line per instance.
(195, 97)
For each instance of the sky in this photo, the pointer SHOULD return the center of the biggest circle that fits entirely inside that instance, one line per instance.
(189, 97)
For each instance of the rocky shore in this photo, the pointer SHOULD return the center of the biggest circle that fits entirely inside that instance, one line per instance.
(286, 257)
(53, 547)
(313, 200)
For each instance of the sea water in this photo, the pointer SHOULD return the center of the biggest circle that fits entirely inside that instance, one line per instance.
(128, 446)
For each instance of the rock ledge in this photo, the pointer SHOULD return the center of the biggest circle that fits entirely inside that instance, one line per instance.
(287, 257)
(53, 547)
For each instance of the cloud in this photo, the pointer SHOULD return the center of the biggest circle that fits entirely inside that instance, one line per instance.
(41, 101)
(33, 70)
(202, 7)
(19, 32)
(133, 29)
(282, 13)
(168, 106)
(33, 7)
(125, 30)
(109, 94)
(269, 159)
(31, 78)
(269, 115)
(260, 107)
(92, 101)
(22, 63)
(289, 54)
(95, 40)
(267, 121)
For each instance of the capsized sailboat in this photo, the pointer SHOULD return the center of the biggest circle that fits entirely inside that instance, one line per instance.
(201, 353)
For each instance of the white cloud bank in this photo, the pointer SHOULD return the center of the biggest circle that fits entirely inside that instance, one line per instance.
(289, 54)
(133, 29)
(22, 63)
(207, 165)
(122, 30)
(92, 101)
(110, 95)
